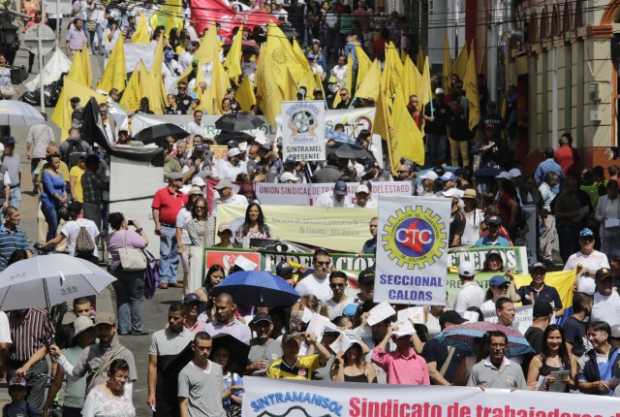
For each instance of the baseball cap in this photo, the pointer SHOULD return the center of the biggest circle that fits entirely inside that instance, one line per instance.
(261, 317)
(362, 188)
(198, 181)
(340, 188)
(9, 140)
(439, 90)
(349, 310)
(493, 221)
(470, 193)
(497, 281)
(404, 328)
(447, 176)
(450, 316)
(195, 190)
(586, 285)
(466, 269)
(514, 173)
(223, 184)
(586, 232)
(81, 324)
(105, 318)
(539, 265)
(503, 175)
(190, 298)
(234, 152)
(542, 309)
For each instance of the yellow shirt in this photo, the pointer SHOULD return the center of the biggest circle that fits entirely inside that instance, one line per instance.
(76, 175)
(303, 369)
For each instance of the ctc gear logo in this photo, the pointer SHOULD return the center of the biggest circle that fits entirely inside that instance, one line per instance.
(414, 237)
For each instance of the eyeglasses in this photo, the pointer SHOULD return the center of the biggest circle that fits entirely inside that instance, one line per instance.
(337, 285)
(323, 263)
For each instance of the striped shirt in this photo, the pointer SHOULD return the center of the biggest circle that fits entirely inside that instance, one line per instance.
(10, 241)
(29, 333)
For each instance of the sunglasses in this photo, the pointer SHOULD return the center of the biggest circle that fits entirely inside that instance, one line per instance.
(323, 263)
(337, 285)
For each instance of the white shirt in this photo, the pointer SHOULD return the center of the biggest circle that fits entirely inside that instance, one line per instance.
(547, 195)
(39, 136)
(340, 72)
(195, 129)
(234, 200)
(327, 200)
(592, 262)
(100, 403)
(488, 309)
(318, 70)
(607, 309)
(185, 59)
(470, 295)
(109, 42)
(71, 229)
(471, 234)
(370, 203)
(334, 309)
(224, 170)
(312, 285)
(183, 217)
(5, 331)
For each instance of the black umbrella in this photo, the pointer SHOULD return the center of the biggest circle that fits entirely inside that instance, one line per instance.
(234, 122)
(156, 134)
(225, 136)
(237, 350)
(349, 151)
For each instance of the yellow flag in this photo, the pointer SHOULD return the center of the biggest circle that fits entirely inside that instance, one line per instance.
(169, 15)
(130, 100)
(405, 139)
(157, 93)
(393, 69)
(382, 114)
(363, 66)
(562, 281)
(370, 86)
(306, 77)
(411, 78)
(349, 74)
(460, 65)
(62, 112)
(470, 84)
(114, 75)
(142, 33)
(233, 59)
(210, 47)
(425, 91)
(447, 63)
(80, 70)
(220, 84)
(245, 95)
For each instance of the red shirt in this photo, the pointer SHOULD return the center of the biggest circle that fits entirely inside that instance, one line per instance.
(169, 204)
(564, 157)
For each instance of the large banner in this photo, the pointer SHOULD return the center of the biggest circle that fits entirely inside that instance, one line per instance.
(412, 250)
(337, 229)
(306, 194)
(302, 124)
(288, 398)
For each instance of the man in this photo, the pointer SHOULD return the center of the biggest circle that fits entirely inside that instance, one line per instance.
(75, 179)
(548, 165)
(317, 283)
(71, 229)
(362, 198)
(606, 301)
(74, 147)
(599, 373)
(292, 365)
(564, 154)
(231, 168)
(95, 360)
(436, 115)
(336, 304)
(108, 124)
(11, 162)
(541, 318)
(224, 321)
(576, 325)
(201, 382)
(334, 198)
(184, 101)
(537, 291)
(493, 237)
(76, 113)
(496, 371)
(587, 260)
(39, 137)
(92, 188)
(445, 364)
(76, 38)
(548, 236)
(228, 195)
(572, 208)
(345, 99)
(370, 246)
(166, 344)
(31, 331)
(470, 294)
(11, 237)
(195, 127)
(505, 310)
(339, 71)
(167, 203)
(263, 347)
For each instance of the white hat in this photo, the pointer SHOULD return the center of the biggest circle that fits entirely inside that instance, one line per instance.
(362, 188)
(81, 324)
(198, 181)
(447, 176)
(429, 175)
(234, 152)
(503, 174)
(514, 173)
(289, 177)
(344, 343)
(439, 90)
(453, 192)
(586, 285)
(467, 269)
(404, 328)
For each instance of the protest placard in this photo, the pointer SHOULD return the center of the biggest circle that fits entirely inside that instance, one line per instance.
(412, 250)
(302, 124)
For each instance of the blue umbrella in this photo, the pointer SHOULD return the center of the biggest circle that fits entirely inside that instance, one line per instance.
(258, 288)
(464, 335)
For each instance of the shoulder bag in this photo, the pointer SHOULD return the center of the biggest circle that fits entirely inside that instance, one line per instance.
(132, 259)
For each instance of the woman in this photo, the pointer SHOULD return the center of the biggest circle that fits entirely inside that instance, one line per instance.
(473, 218)
(498, 288)
(7, 91)
(184, 217)
(111, 399)
(233, 383)
(553, 358)
(350, 365)
(493, 262)
(253, 227)
(214, 276)
(598, 375)
(129, 286)
(54, 195)
(608, 215)
(457, 223)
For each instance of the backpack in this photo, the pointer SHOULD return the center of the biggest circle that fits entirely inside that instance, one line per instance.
(74, 152)
(84, 244)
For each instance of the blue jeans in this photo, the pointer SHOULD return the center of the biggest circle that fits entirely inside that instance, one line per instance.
(16, 197)
(129, 289)
(168, 255)
(51, 217)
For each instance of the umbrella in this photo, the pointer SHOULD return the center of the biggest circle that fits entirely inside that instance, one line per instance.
(156, 134)
(235, 122)
(236, 348)
(226, 136)
(258, 288)
(18, 113)
(49, 280)
(464, 335)
(349, 151)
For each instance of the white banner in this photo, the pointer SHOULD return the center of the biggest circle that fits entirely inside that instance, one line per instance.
(265, 397)
(306, 194)
(302, 124)
(412, 250)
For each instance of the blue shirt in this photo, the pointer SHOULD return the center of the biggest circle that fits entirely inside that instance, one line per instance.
(10, 241)
(486, 241)
(546, 166)
(52, 184)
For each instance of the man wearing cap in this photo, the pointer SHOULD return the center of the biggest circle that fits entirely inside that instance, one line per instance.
(166, 205)
(363, 199)
(606, 301)
(587, 260)
(228, 194)
(263, 347)
(470, 294)
(426, 188)
(225, 233)
(493, 237)
(230, 168)
(541, 318)
(96, 359)
(537, 291)
(74, 390)
(445, 364)
(166, 344)
(437, 116)
(191, 317)
(334, 198)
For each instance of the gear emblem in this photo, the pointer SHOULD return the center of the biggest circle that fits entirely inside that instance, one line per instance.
(414, 237)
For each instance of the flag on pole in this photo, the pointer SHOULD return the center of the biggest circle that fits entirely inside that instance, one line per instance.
(460, 65)
(233, 58)
(470, 83)
(114, 75)
(142, 33)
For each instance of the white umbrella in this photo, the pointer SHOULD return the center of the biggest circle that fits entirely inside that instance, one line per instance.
(48, 280)
(18, 113)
